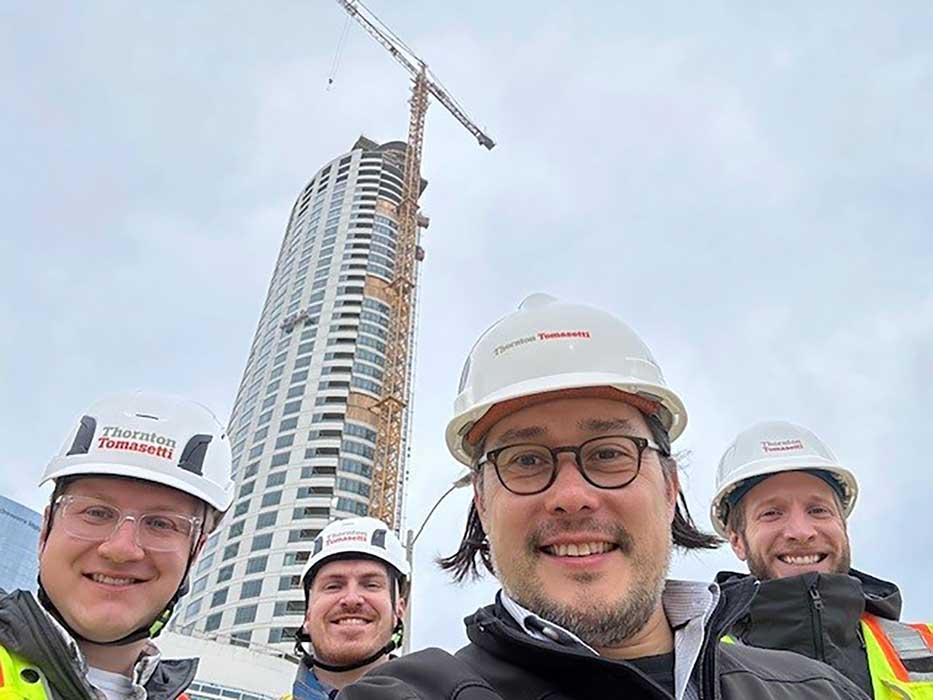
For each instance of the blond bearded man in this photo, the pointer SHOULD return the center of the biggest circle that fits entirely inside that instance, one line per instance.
(783, 500)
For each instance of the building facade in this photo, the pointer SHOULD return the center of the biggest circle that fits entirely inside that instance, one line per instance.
(19, 542)
(230, 672)
(302, 431)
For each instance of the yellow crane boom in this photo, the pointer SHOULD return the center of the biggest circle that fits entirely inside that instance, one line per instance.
(392, 407)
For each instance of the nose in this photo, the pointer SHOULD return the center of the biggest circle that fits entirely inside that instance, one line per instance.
(799, 526)
(122, 546)
(352, 597)
(570, 493)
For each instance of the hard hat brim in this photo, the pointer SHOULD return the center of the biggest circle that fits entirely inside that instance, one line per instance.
(217, 499)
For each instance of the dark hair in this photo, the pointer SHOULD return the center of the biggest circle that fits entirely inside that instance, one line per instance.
(463, 563)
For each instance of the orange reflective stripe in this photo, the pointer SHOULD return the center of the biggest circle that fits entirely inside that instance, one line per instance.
(2, 681)
(894, 661)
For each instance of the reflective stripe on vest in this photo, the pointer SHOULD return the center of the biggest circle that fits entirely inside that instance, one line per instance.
(19, 679)
(900, 658)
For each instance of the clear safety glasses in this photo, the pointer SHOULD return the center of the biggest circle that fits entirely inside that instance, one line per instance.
(91, 519)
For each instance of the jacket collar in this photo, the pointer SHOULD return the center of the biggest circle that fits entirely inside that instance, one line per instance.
(27, 629)
(495, 630)
(308, 686)
(775, 616)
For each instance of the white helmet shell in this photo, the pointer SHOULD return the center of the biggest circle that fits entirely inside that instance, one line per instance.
(773, 447)
(164, 439)
(368, 537)
(549, 345)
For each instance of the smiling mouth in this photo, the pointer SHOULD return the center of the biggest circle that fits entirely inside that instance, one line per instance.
(113, 580)
(802, 559)
(351, 622)
(582, 549)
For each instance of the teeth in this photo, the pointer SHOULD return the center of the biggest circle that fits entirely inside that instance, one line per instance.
(584, 549)
(801, 560)
(111, 580)
(352, 621)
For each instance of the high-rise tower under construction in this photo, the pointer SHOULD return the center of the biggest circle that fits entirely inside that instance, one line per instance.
(302, 428)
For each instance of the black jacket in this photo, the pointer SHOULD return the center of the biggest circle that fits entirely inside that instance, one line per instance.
(504, 663)
(26, 629)
(817, 615)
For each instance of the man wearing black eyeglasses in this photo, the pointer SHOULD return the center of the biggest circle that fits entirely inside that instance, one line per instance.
(566, 421)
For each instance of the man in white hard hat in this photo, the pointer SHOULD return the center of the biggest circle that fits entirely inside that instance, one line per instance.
(566, 421)
(138, 485)
(356, 586)
(782, 500)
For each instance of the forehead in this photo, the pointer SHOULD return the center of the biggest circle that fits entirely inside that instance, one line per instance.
(791, 486)
(568, 417)
(351, 568)
(133, 493)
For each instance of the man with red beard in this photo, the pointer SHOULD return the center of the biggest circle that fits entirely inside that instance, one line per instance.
(356, 586)
(566, 421)
(126, 521)
(782, 501)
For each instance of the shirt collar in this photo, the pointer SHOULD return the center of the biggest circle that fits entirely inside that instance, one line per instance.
(537, 627)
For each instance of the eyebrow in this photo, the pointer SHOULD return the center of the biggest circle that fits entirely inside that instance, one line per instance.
(343, 578)
(602, 425)
(532, 431)
(592, 425)
(164, 508)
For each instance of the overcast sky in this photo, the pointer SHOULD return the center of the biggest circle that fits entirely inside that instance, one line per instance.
(748, 185)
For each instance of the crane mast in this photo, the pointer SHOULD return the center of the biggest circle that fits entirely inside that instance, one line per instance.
(392, 408)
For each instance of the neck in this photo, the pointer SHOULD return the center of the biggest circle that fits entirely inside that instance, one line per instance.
(654, 638)
(338, 679)
(116, 659)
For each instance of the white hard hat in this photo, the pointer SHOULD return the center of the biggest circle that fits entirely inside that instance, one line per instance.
(368, 537)
(548, 345)
(167, 440)
(770, 448)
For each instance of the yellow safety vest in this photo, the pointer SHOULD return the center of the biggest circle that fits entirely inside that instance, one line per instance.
(22, 680)
(19, 679)
(900, 658)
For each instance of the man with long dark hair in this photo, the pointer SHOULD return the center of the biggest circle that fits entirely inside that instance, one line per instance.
(567, 423)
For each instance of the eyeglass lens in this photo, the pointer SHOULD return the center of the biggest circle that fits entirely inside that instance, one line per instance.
(91, 519)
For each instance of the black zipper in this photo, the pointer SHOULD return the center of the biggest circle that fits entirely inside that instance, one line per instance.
(816, 621)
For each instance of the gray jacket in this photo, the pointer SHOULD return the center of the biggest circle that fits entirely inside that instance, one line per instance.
(504, 663)
(27, 629)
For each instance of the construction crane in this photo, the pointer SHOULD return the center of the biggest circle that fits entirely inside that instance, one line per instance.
(391, 409)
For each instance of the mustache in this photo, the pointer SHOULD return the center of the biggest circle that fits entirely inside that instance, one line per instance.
(613, 532)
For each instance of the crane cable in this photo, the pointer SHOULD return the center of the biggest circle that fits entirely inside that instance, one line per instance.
(338, 54)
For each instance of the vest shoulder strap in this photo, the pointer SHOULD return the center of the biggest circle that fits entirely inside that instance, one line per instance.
(908, 648)
(19, 679)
